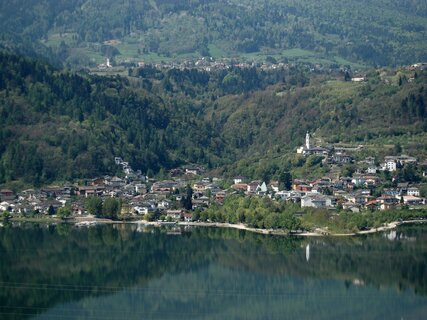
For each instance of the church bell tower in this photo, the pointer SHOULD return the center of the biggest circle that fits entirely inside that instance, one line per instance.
(307, 140)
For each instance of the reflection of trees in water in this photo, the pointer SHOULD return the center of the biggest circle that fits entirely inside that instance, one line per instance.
(39, 262)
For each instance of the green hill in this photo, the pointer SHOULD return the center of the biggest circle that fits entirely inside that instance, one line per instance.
(84, 32)
(57, 125)
(61, 125)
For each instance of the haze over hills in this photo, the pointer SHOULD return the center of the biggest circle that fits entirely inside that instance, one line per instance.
(84, 32)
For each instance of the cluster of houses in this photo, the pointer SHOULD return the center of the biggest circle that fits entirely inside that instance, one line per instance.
(209, 64)
(353, 193)
(145, 196)
(331, 155)
(141, 195)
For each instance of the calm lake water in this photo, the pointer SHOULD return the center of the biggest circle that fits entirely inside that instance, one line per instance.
(126, 272)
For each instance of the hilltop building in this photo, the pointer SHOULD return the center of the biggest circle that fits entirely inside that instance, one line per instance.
(307, 148)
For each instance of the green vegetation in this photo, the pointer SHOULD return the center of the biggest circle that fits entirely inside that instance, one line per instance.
(346, 222)
(64, 212)
(57, 125)
(109, 208)
(265, 213)
(254, 212)
(380, 32)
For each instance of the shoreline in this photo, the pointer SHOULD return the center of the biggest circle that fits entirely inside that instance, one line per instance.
(319, 232)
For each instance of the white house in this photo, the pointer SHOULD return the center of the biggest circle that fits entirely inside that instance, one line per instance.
(316, 201)
(390, 165)
(262, 188)
(412, 201)
(372, 170)
(413, 191)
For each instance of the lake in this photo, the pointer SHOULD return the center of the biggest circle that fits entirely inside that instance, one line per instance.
(131, 272)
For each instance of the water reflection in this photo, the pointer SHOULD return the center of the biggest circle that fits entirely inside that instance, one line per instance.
(126, 272)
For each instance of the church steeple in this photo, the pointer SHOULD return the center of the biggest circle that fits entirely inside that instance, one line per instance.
(307, 140)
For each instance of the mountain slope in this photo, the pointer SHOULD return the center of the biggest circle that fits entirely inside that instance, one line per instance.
(61, 125)
(380, 32)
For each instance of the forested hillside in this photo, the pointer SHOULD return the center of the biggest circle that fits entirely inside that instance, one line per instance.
(80, 32)
(61, 125)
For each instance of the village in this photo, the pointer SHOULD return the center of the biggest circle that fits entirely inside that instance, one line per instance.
(166, 200)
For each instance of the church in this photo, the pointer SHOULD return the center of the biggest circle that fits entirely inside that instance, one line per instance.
(307, 149)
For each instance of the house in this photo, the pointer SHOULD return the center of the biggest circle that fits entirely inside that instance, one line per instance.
(140, 188)
(392, 163)
(5, 206)
(200, 202)
(341, 158)
(200, 187)
(413, 191)
(175, 215)
(213, 188)
(358, 180)
(22, 209)
(316, 201)
(371, 181)
(90, 191)
(78, 208)
(357, 197)
(294, 196)
(318, 151)
(116, 182)
(262, 188)
(403, 187)
(164, 186)
(164, 204)
(370, 161)
(6, 195)
(307, 148)
(353, 207)
(412, 201)
(274, 185)
(240, 186)
(97, 182)
(389, 165)
(219, 197)
(188, 217)
(405, 159)
(339, 193)
(51, 191)
(304, 188)
(252, 186)
(239, 179)
(372, 170)
(142, 210)
(387, 202)
(372, 205)
(391, 191)
(193, 171)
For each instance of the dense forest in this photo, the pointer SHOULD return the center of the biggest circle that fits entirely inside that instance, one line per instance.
(61, 125)
(380, 32)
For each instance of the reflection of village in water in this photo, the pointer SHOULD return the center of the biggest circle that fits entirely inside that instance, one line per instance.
(395, 235)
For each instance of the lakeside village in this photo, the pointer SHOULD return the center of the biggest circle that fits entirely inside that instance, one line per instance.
(188, 192)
